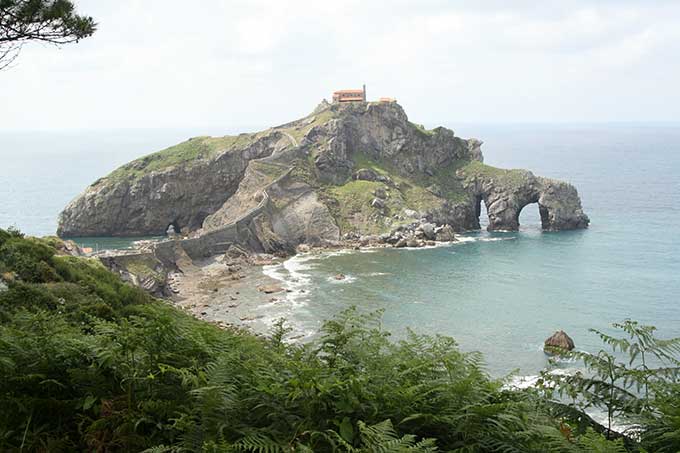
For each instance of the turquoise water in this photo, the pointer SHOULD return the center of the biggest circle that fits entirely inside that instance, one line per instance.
(502, 293)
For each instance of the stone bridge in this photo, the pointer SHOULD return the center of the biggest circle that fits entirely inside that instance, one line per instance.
(558, 202)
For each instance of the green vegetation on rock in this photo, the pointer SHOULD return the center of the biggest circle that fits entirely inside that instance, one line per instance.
(270, 169)
(301, 127)
(352, 207)
(142, 266)
(508, 178)
(192, 149)
(89, 363)
(422, 130)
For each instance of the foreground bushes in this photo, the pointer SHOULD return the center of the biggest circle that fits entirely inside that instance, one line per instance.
(89, 363)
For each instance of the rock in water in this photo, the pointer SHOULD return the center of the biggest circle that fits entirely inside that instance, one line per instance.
(402, 242)
(559, 341)
(446, 234)
(270, 289)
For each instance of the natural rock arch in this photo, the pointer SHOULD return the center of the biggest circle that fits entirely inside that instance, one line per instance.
(173, 228)
(543, 214)
(558, 202)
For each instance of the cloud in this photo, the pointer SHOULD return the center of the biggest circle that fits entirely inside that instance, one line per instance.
(249, 64)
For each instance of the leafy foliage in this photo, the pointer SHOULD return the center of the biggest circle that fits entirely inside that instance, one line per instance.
(640, 387)
(52, 21)
(90, 363)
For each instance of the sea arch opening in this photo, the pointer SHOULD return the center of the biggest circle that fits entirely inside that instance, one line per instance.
(533, 218)
(482, 213)
(172, 228)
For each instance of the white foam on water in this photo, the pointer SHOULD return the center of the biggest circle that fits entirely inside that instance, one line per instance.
(599, 415)
(329, 254)
(274, 271)
(618, 425)
(463, 239)
(470, 239)
(424, 247)
(377, 274)
(295, 279)
(497, 239)
(524, 382)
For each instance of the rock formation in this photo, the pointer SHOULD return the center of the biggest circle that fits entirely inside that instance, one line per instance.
(559, 341)
(358, 169)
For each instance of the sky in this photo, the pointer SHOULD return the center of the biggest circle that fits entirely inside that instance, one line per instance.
(258, 63)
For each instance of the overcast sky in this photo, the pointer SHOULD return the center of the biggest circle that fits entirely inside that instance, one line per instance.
(252, 64)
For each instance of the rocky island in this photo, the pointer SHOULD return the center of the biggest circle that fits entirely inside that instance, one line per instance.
(347, 174)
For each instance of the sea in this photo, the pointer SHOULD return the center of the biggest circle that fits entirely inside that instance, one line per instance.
(501, 294)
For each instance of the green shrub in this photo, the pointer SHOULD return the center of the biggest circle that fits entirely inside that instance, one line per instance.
(89, 363)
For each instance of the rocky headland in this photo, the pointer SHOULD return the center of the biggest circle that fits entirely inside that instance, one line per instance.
(347, 175)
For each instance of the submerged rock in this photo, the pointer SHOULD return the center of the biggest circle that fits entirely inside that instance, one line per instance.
(270, 289)
(559, 341)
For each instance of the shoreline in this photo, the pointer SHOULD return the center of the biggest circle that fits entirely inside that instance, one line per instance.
(229, 298)
(237, 294)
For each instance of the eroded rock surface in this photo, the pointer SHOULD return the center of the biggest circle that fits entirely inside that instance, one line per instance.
(506, 194)
(558, 342)
(146, 196)
(359, 169)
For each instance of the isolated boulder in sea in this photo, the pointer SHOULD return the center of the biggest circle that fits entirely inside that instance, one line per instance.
(559, 341)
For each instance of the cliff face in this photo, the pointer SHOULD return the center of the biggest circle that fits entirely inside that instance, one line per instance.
(358, 168)
(179, 186)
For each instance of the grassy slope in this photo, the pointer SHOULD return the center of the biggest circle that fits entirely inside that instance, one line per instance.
(352, 200)
(303, 126)
(508, 178)
(203, 148)
(354, 209)
(194, 148)
(90, 363)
